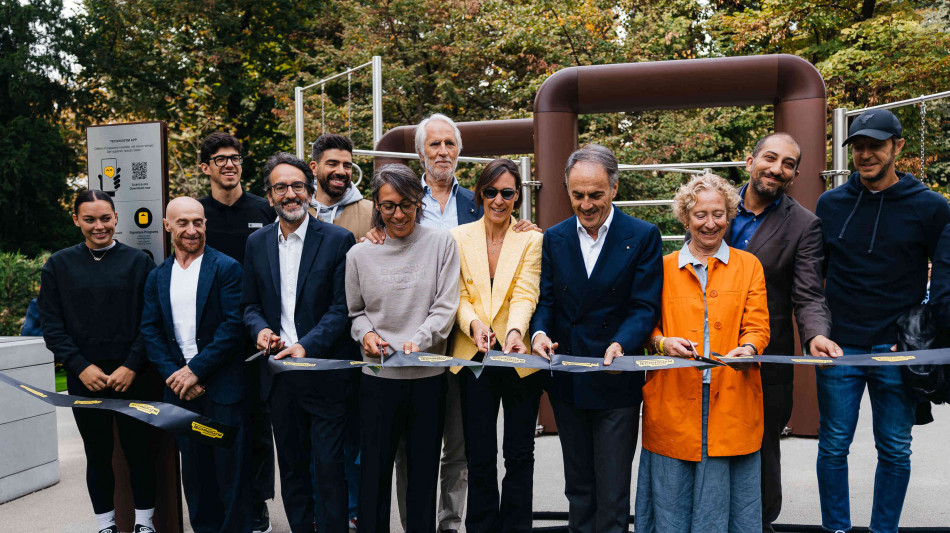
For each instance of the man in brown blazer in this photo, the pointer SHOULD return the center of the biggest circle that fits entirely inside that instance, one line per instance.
(786, 238)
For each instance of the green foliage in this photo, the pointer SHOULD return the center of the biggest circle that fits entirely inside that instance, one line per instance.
(35, 159)
(232, 65)
(19, 283)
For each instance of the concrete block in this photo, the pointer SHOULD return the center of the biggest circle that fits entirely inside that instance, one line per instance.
(16, 352)
(30, 480)
(28, 443)
(16, 404)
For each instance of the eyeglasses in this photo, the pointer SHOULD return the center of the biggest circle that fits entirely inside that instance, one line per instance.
(280, 189)
(388, 208)
(490, 192)
(222, 160)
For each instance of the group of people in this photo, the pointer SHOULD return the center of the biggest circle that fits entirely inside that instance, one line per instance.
(445, 270)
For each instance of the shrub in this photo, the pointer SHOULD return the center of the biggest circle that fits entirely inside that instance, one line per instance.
(19, 283)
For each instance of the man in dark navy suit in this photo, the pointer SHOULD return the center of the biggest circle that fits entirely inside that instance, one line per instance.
(601, 279)
(295, 306)
(193, 334)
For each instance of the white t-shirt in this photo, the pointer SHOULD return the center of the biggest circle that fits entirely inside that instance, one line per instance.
(183, 293)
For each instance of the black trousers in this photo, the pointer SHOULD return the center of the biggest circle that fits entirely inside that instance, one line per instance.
(520, 397)
(217, 481)
(308, 411)
(139, 443)
(777, 402)
(261, 438)
(598, 447)
(389, 409)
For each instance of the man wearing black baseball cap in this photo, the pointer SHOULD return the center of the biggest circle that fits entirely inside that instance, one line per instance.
(880, 228)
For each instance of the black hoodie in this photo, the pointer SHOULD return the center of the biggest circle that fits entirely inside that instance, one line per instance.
(876, 251)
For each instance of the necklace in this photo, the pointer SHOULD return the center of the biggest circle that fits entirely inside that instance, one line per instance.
(97, 258)
(492, 244)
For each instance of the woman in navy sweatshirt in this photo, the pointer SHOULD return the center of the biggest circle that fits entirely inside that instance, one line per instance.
(90, 305)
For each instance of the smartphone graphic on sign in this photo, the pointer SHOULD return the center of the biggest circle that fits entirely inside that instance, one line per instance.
(109, 179)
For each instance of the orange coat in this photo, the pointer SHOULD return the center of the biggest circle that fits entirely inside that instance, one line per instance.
(673, 399)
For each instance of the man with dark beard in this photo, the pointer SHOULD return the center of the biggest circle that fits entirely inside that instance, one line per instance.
(336, 199)
(192, 329)
(295, 306)
(879, 229)
(786, 238)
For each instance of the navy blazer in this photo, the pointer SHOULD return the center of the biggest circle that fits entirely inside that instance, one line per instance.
(219, 363)
(320, 315)
(620, 302)
(468, 210)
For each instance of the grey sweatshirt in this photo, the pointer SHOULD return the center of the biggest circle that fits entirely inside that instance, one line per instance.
(405, 290)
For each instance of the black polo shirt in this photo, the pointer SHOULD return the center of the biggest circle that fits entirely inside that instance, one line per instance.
(229, 226)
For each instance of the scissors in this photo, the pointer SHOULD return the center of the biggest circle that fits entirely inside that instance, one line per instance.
(706, 360)
(265, 352)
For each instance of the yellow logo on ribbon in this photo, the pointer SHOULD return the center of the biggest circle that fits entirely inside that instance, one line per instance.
(893, 358)
(33, 391)
(358, 363)
(814, 360)
(206, 431)
(293, 363)
(145, 408)
(659, 361)
(86, 402)
(434, 358)
(572, 363)
(507, 359)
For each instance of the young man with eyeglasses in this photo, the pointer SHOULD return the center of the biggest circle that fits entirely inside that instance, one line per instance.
(295, 306)
(233, 214)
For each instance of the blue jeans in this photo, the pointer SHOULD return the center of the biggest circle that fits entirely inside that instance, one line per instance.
(840, 389)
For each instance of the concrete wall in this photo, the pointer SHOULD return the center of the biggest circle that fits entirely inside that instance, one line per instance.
(29, 459)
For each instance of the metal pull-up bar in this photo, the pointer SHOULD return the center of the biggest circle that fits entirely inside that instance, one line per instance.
(377, 80)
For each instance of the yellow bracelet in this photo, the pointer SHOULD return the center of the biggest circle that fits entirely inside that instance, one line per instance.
(662, 338)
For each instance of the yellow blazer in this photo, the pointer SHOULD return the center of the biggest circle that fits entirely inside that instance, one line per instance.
(510, 302)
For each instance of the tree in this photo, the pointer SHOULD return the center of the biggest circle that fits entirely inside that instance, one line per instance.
(35, 159)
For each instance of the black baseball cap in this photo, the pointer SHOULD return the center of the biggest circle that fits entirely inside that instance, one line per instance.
(878, 124)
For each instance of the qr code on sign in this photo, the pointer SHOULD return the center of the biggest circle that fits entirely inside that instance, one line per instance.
(140, 171)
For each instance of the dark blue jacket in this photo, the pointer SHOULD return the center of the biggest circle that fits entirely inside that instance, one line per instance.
(620, 302)
(468, 210)
(320, 315)
(876, 251)
(219, 363)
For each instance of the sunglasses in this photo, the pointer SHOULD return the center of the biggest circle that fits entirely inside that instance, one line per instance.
(507, 193)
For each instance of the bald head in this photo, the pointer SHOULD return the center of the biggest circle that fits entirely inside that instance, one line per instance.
(183, 204)
(185, 221)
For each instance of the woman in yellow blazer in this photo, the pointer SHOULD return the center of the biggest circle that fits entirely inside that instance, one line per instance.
(500, 275)
(702, 429)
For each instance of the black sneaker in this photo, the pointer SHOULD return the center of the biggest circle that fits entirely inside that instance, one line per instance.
(261, 522)
(142, 529)
(110, 529)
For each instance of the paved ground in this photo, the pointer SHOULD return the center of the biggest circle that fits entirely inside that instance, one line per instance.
(65, 507)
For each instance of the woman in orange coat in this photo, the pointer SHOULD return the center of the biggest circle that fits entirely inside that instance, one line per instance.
(702, 429)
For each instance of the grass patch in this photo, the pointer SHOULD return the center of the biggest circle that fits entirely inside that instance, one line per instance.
(60, 380)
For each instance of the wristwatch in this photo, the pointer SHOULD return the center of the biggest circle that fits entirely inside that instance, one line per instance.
(752, 347)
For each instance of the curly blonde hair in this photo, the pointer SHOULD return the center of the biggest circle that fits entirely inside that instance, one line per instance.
(687, 195)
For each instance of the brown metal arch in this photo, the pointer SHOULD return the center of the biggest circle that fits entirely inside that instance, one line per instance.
(790, 83)
(483, 138)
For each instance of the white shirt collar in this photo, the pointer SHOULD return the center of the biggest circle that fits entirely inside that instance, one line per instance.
(686, 257)
(602, 230)
(427, 189)
(299, 232)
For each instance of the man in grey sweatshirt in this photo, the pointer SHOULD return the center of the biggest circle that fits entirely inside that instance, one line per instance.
(401, 295)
